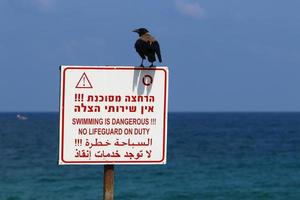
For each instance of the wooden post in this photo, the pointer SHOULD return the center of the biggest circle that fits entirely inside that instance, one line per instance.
(108, 182)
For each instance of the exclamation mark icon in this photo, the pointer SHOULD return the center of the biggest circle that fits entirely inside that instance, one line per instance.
(153, 121)
(78, 97)
(84, 82)
(78, 142)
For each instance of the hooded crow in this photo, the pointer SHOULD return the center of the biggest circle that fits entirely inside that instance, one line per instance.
(147, 46)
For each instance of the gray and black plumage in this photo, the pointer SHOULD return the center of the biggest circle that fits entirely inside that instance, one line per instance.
(147, 46)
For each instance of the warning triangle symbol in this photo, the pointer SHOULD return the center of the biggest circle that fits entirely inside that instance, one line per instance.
(84, 82)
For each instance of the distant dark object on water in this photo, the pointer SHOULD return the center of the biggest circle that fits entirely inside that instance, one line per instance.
(147, 46)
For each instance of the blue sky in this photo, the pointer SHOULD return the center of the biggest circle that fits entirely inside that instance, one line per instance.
(223, 55)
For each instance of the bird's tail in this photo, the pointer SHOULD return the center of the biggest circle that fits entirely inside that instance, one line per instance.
(159, 58)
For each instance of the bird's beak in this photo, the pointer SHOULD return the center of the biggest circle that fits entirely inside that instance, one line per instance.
(136, 30)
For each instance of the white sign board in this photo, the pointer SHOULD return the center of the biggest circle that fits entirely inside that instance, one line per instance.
(113, 115)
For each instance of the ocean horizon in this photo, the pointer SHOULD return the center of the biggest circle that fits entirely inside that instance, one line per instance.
(210, 155)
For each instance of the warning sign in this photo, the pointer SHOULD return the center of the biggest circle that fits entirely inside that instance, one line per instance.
(84, 82)
(113, 115)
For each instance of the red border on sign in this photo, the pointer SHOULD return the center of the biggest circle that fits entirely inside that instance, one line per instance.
(110, 68)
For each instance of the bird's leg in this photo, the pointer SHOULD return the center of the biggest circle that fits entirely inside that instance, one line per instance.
(142, 64)
(151, 65)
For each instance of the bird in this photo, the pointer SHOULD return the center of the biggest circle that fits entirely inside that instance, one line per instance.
(147, 46)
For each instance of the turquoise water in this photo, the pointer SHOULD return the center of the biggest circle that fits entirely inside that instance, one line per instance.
(210, 156)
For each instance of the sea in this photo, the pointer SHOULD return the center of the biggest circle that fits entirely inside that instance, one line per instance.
(222, 156)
